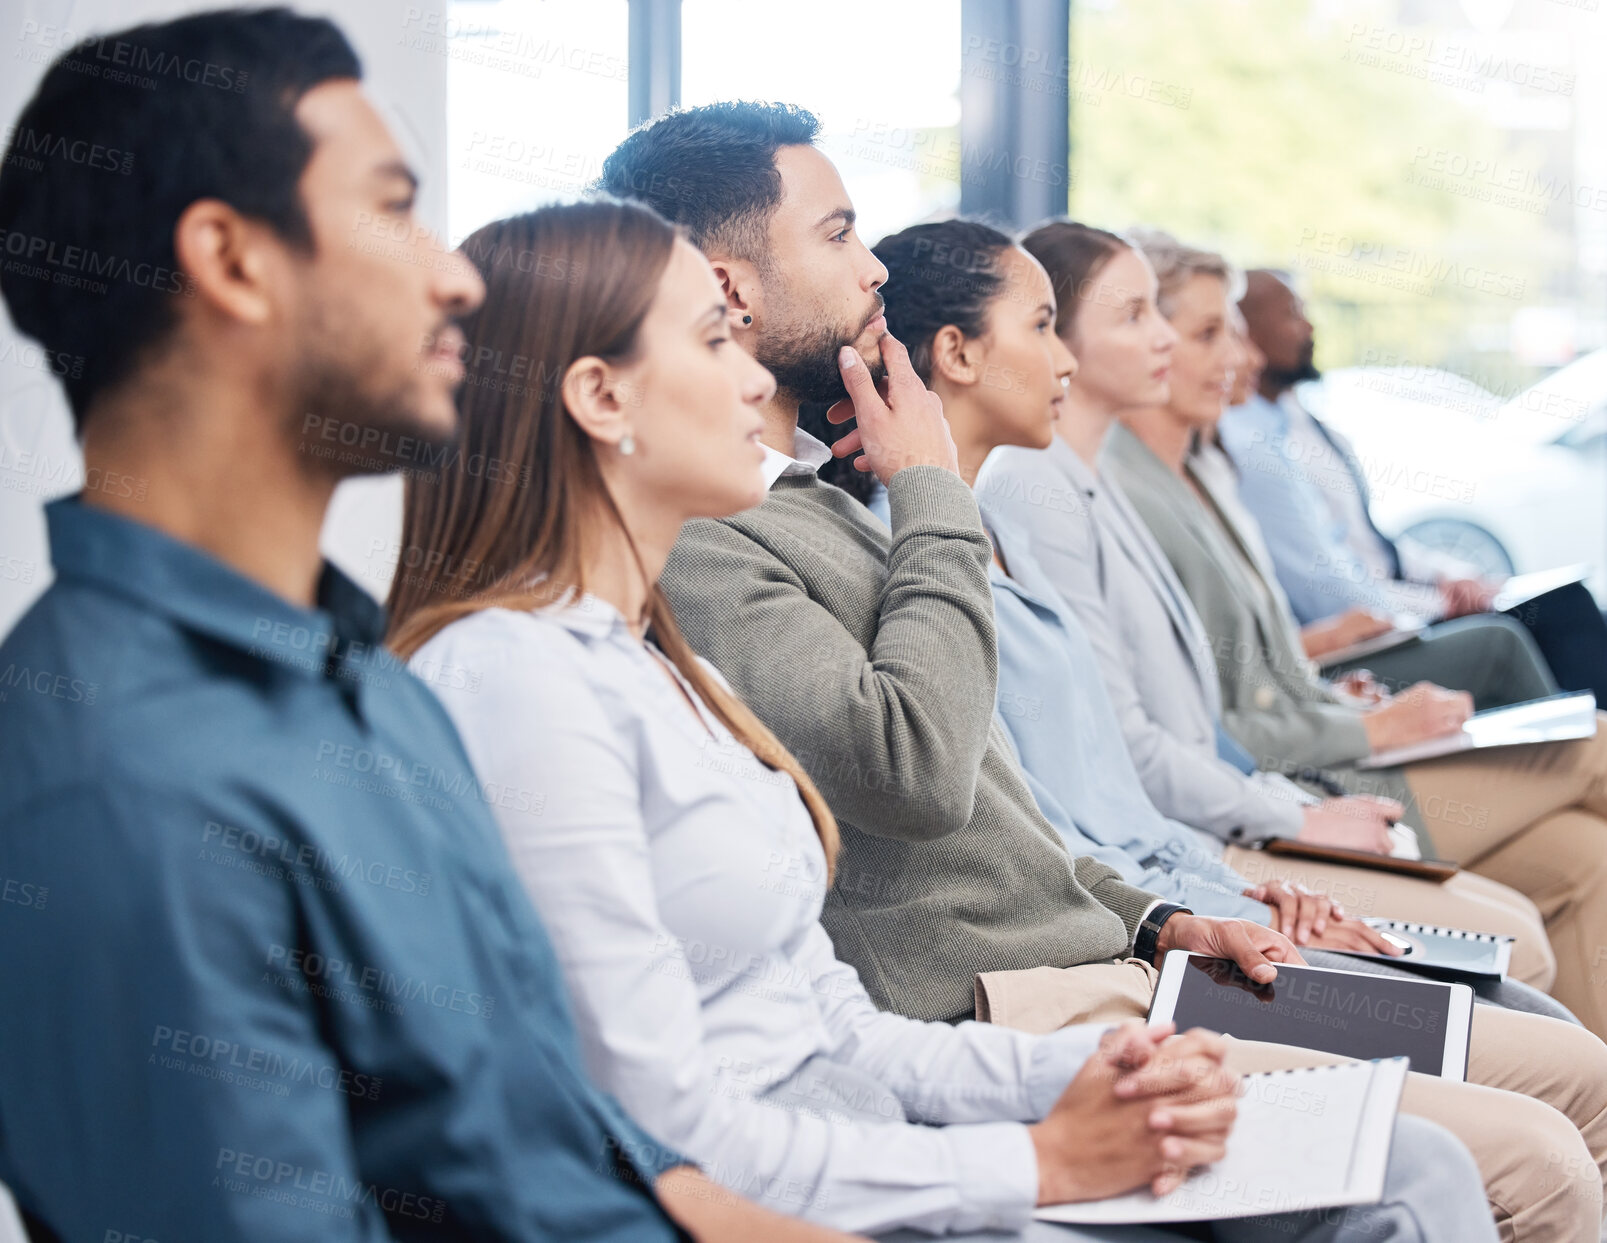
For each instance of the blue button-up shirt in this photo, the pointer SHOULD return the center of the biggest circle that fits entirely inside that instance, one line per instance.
(266, 972)
(1306, 490)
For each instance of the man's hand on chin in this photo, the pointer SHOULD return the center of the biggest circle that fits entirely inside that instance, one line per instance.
(1254, 947)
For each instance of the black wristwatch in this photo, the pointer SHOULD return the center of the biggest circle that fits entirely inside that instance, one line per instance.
(1149, 930)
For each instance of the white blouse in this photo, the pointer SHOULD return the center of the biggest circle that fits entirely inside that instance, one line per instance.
(681, 882)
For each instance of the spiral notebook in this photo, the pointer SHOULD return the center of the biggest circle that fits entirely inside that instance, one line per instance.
(1450, 952)
(1304, 1139)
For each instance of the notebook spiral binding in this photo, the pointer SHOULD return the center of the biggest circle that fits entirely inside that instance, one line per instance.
(1455, 934)
(1318, 1070)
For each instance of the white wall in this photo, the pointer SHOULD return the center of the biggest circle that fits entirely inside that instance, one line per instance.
(405, 70)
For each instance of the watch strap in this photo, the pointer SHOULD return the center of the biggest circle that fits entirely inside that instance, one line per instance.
(1148, 936)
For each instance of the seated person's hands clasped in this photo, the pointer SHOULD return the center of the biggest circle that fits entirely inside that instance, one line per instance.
(1147, 1108)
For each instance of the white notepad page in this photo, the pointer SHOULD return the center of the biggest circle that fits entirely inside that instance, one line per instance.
(1304, 1139)
(1521, 588)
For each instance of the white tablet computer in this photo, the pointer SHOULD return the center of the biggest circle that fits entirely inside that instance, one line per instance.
(1343, 1012)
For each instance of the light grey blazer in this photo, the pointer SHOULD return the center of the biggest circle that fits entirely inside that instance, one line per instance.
(1152, 647)
(1272, 699)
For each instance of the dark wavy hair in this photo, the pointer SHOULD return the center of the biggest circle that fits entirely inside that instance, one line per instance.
(937, 274)
(712, 170)
(209, 113)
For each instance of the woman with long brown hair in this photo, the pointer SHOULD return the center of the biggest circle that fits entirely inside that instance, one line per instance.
(678, 855)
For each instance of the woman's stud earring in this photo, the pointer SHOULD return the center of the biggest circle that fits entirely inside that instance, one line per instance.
(627, 444)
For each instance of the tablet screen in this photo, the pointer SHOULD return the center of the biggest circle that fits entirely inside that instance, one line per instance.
(1360, 1016)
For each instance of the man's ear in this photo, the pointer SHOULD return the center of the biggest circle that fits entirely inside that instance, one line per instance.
(955, 358)
(744, 295)
(227, 260)
(598, 399)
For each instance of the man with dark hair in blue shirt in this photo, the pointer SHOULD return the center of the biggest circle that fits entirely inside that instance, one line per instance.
(268, 973)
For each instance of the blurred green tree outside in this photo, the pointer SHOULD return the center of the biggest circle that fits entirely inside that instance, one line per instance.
(1335, 141)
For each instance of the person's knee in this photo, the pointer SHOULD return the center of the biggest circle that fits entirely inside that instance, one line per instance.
(1575, 1062)
(1571, 846)
(1595, 747)
(1553, 1161)
(1568, 1170)
(1506, 634)
(1583, 755)
(1560, 860)
(1534, 961)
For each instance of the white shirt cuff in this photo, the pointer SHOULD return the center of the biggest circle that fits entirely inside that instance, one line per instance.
(995, 1175)
(1056, 1059)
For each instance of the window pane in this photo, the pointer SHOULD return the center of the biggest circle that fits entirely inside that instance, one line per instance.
(537, 96)
(883, 78)
(1434, 176)
(1430, 171)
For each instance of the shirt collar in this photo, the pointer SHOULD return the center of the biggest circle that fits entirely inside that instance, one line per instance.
(587, 615)
(1289, 415)
(1078, 471)
(167, 576)
(809, 454)
(1277, 412)
(1012, 545)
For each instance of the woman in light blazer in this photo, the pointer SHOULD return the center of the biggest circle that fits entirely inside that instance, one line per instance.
(1532, 817)
(1156, 653)
(1153, 650)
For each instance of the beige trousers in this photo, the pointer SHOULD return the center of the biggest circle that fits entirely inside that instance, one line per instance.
(1533, 1112)
(1535, 818)
(1467, 900)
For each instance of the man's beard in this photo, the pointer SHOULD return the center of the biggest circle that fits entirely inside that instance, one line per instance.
(1288, 377)
(1283, 378)
(345, 424)
(805, 363)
